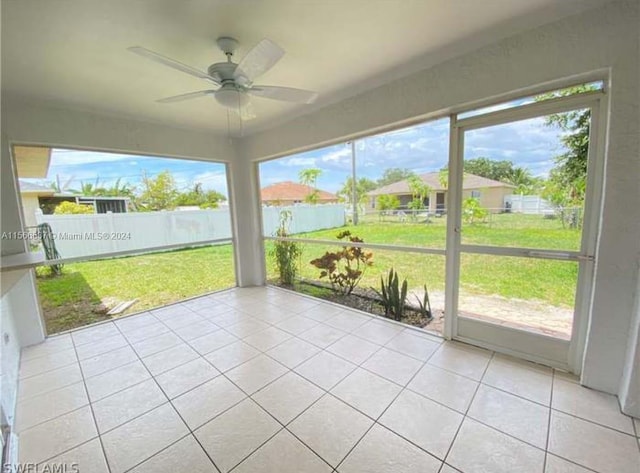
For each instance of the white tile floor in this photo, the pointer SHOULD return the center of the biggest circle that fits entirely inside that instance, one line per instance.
(264, 380)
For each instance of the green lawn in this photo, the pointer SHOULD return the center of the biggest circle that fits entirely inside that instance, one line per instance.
(74, 298)
(553, 282)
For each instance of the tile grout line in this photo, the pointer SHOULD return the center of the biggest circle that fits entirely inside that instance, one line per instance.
(248, 396)
(548, 439)
(455, 437)
(93, 414)
(325, 393)
(273, 381)
(296, 336)
(375, 421)
(169, 401)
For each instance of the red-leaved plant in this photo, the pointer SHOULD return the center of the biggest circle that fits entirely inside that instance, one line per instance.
(344, 267)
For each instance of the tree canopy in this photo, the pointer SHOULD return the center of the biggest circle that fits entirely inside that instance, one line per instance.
(160, 193)
(391, 175)
(567, 180)
(363, 186)
(309, 177)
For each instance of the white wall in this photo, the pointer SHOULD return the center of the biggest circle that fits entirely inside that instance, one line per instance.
(30, 205)
(630, 384)
(51, 124)
(20, 319)
(605, 40)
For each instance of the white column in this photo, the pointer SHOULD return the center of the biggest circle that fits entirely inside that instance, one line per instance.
(629, 393)
(246, 214)
(20, 285)
(20, 320)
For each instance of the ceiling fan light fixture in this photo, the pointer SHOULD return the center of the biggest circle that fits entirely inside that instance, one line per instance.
(230, 97)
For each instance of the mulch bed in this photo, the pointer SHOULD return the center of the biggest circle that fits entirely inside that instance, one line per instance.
(365, 300)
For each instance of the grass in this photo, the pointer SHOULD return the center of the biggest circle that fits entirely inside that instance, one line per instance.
(553, 282)
(74, 299)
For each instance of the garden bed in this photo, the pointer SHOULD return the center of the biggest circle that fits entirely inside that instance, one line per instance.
(365, 300)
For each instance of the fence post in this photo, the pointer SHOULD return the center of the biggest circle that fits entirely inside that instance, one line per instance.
(111, 230)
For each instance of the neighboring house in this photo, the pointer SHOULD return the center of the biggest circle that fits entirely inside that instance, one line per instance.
(490, 193)
(31, 194)
(289, 193)
(36, 197)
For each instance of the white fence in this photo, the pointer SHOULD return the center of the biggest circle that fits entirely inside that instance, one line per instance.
(528, 204)
(305, 218)
(98, 234)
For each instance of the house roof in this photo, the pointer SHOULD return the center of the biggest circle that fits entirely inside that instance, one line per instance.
(432, 179)
(292, 191)
(31, 188)
(32, 161)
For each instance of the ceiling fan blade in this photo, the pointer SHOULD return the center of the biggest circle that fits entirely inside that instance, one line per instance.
(259, 60)
(287, 94)
(159, 58)
(190, 95)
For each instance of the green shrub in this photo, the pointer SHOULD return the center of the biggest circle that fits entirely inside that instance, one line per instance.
(472, 211)
(73, 208)
(286, 253)
(424, 304)
(393, 295)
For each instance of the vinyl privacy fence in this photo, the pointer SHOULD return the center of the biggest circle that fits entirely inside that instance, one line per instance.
(528, 204)
(100, 234)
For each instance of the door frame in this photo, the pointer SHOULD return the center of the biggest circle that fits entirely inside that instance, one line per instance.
(534, 347)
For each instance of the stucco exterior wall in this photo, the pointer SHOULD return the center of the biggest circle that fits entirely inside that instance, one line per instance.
(29, 207)
(604, 43)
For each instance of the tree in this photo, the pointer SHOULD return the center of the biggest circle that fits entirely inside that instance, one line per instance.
(419, 192)
(363, 187)
(387, 202)
(472, 211)
(523, 180)
(570, 170)
(443, 178)
(309, 177)
(391, 175)
(116, 190)
(199, 197)
(73, 208)
(157, 194)
(489, 168)
(119, 190)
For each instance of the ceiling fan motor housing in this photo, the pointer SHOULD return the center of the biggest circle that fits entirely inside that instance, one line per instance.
(223, 71)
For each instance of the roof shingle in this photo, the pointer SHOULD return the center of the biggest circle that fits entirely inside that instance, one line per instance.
(288, 190)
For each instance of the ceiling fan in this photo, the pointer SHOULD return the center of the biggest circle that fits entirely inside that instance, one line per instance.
(235, 81)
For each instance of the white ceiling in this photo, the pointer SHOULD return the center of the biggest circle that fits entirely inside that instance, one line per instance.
(74, 51)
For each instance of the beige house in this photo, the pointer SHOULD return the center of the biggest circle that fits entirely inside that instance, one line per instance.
(490, 193)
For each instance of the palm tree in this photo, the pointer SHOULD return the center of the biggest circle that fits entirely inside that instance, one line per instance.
(522, 179)
(309, 177)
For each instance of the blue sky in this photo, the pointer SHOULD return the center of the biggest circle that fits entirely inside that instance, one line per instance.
(422, 148)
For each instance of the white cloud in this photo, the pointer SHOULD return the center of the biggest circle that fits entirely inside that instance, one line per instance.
(336, 156)
(211, 180)
(299, 161)
(67, 157)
